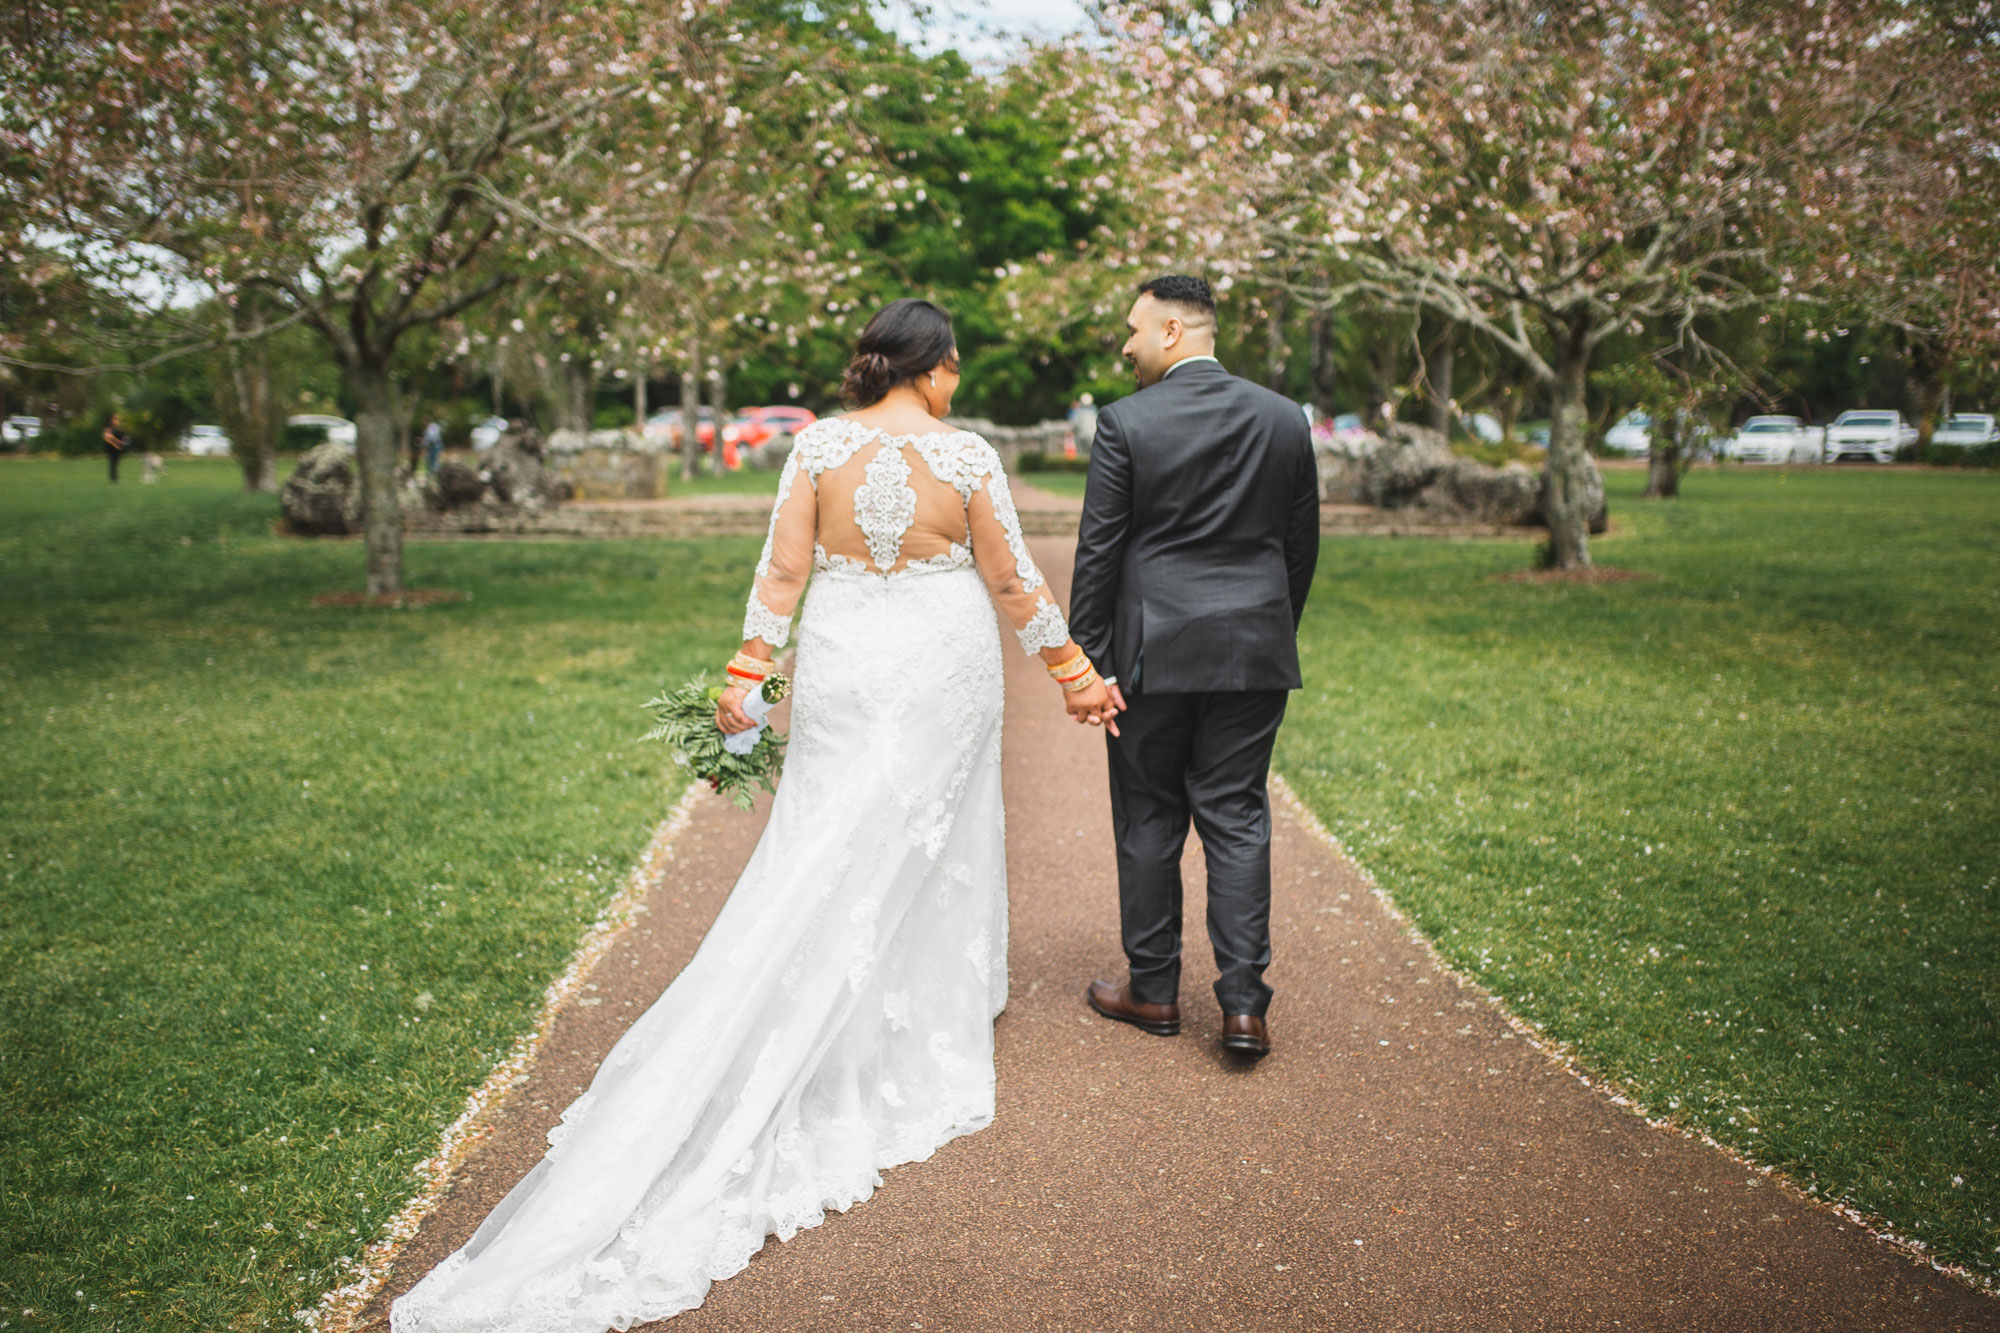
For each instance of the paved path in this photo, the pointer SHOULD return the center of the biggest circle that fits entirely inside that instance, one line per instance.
(1400, 1162)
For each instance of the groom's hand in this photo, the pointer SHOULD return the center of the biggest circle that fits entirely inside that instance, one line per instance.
(1095, 707)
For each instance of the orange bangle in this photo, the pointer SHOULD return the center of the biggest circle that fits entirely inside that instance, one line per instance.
(1087, 669)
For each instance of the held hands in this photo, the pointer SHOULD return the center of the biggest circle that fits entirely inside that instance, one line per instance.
(1098, 706)
(1086, 696)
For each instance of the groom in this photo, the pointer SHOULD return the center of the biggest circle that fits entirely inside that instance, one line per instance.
(1199, 536)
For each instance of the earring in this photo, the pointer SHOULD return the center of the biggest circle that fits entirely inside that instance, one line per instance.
(934, 379)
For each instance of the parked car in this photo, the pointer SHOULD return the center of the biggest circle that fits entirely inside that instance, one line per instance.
(1774, 439)
(487, 433)
(665, 424)
(205, 441)
(1868, 435)
(19, 430)
(758, 424)
(1538, 436)
(1632, 436)
(339, 430)
(1966, 429)
(1484, 427)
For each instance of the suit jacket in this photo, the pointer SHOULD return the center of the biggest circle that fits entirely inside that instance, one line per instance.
(1199, 537)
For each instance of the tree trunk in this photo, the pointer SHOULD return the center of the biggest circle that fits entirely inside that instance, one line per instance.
(375, 448)
(1323, 370)
(1438, 366)
(718, 403)
(690, 417)
(1565, 493)
(1926, 389)
(247, 402)
(1663, 459)
(1275, 350)
(579, 383)
(639, 398)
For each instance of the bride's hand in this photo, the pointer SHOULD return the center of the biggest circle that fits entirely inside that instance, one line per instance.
(729, 715)
(1096, 707)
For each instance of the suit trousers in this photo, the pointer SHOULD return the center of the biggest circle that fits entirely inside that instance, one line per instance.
(1202, 758)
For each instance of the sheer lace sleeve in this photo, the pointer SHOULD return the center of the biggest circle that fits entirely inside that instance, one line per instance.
(787, 560)
(1018, 588)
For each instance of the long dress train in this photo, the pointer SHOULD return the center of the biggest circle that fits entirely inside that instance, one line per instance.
(838, 1017)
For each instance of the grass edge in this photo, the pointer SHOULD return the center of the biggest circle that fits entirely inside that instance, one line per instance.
(1565, 1057)
(338, 1308)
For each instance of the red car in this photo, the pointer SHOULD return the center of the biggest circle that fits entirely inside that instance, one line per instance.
(758, 424)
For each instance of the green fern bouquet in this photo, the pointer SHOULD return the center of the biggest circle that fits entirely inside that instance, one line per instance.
(684, 720)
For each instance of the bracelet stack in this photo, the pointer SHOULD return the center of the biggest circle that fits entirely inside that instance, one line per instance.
(1076, 674)
(748, 672)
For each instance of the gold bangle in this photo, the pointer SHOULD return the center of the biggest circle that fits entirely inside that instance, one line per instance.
(748, 665)
(1082, 659)
(1083, 682)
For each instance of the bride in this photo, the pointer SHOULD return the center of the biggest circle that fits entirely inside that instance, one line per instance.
(838, 1017)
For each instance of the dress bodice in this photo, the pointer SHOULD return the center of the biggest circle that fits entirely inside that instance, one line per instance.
(855, 500)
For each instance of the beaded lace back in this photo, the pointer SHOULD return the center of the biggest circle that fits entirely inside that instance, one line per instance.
(855, 500)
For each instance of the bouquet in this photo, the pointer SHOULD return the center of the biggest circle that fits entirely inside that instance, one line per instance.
(684, 718)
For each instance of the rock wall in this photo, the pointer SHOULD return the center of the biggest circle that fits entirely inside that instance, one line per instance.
(322, 497)
(1412, 468)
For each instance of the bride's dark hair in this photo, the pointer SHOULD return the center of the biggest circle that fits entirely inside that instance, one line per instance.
(905, 339)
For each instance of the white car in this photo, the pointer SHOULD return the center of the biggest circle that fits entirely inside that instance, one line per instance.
(1868, 435)
(1774, 440)
(1967, 429)
(19, 430)
(488, 432)
(1632, 436)
(339, 430)
(205, 441)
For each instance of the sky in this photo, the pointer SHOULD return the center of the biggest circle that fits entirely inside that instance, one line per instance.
(988, 33)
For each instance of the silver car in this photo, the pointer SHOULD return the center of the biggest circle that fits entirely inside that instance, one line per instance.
(1967, 429)
(1868, 435)
(1774, 439)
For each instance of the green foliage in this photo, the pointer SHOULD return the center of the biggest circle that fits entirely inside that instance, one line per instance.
(1729, 830)
(684, 722)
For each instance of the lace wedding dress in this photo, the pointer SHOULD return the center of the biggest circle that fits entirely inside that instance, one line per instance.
(838, 1018)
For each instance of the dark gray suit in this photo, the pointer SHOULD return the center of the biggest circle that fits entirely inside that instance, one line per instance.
(1199, 538)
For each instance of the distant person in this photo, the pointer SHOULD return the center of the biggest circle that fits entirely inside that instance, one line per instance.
(116, 442)
(433, 446)
(1083, 422)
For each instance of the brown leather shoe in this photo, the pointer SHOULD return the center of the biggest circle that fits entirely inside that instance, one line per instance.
(1245, 1034)
(1162, 1020)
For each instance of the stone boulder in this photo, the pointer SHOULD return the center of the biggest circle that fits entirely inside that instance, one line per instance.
(322, 497)
(454, 485)
(516, 471)
(1412, 468)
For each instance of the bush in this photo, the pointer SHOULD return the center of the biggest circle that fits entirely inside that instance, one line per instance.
(1037, 461)
(72, 439)
(296, 439)
(1965, 455)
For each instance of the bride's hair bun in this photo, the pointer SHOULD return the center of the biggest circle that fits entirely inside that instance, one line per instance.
(905, 339)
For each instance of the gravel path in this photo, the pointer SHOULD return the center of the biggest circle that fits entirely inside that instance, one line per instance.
(1401, 1161)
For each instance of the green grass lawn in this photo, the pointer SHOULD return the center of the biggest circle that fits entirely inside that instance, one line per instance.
(1732, 831)
(283, 882)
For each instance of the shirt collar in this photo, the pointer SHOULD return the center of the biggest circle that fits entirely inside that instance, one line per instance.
(1184, 361)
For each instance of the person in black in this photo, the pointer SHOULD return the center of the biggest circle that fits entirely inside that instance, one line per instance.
(1199, 538)
(116, 441)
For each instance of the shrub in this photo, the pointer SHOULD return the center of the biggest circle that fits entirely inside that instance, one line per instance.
(1037, 461)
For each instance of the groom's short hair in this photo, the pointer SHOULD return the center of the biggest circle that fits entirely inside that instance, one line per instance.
(1191, 294)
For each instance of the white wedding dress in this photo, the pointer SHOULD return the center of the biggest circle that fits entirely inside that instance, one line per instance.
(838, 1018)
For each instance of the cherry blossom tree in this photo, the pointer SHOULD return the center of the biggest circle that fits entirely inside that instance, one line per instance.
(1543, 177)
(387, 166)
